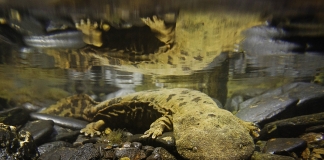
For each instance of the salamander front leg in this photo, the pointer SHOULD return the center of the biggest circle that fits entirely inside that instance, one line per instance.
(159, 126)
(93, 128)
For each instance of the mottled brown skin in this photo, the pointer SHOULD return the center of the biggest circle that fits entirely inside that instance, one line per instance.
(201, 129)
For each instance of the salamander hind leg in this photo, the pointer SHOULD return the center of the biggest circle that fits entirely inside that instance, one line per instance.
(159, 126)
(93, 128)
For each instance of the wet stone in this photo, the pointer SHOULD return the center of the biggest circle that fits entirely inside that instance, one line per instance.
(263, 110)
(31, 107)
(137, 145)
(148, 150)
(64, 134)
(16, 145)
(87, 151)
(47, 147)
(285, 146)
(166, 140)
(290, 100)
(259, 145)
(232, 104)
(40, 129)
(14, 116)
(313, 139)
(291, 127)
(317, 153)
(58, 154)
(317, 128)
(267, 156)
(131, 152)
(61, 121)
(82, 139)
(126, 144)
(160, 153)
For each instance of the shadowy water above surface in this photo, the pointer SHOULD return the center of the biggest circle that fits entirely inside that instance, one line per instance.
(222, 61)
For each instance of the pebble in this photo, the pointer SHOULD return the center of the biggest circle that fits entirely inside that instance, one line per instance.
(130, 152)
(161, 154)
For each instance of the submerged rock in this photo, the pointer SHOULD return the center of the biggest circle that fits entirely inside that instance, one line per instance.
(290, 100)
(16, 145)
(291, 127)
(87, 151)
(285, 146)
(14, 116)
(267, 156)
(40, 129)
(162, 154)
(47, 147)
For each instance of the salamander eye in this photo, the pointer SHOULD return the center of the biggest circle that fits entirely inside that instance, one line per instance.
(194, 149)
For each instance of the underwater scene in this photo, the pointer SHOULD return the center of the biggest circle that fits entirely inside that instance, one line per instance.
(161, 79)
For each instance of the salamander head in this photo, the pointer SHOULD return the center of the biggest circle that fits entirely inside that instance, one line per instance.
(212, 136)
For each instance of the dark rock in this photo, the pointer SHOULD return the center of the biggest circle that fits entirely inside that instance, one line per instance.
(148, 150)
(14, 116)
(317, 128)
(31, 107)
(64, 134)
(58, 154)
(131, 152)
(285, 102)
(284, 146)
(16, 146)
(126, 144)
(160, 153)
(262, 110)
(39, 129)
(138, 138)
(259, 145)
(137, 145)
(47, 147)
(166, 140)
(316, 153)
(291, 127)
(87, 151)
(232, 104)
(82, 139)
(267, 156)
(106, 151)
(314, 140)
(154, 156)
(127, 134)
(61, 121)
